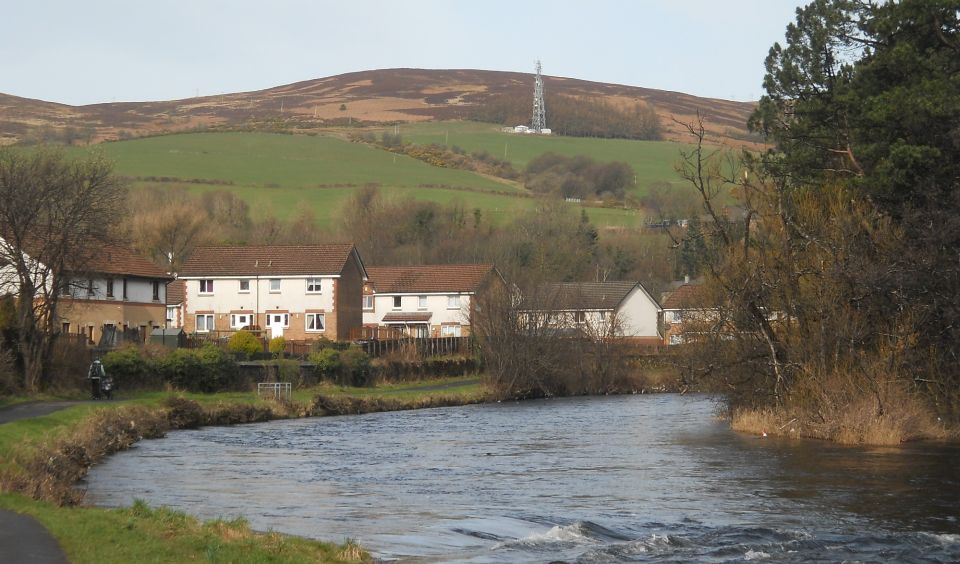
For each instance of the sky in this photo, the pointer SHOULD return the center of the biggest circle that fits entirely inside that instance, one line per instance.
(91, 51)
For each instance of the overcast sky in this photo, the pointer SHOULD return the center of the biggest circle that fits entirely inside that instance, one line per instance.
(89, 51)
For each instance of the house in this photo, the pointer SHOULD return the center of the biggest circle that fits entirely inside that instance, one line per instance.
(300, 292)
(117, 290)
(175, 292)
(598, 309)
(427, 300)
(686, 311)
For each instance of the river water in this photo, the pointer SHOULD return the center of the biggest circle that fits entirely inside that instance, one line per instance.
(628, 478)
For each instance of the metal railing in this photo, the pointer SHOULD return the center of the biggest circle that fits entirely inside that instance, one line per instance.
(280, 391)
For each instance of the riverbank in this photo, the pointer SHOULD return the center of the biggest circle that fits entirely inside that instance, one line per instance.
(42, 458)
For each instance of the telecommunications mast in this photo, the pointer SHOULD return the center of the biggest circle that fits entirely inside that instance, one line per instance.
(539, 110)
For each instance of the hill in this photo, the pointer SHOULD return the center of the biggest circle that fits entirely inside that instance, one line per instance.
(283, 175)
(367, 97)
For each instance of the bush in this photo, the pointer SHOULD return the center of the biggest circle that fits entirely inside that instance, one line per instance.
(244, 344)
(277, 346)
(207, 369)
(326, 363)
(356, 367)
(321, 344)
(127, 366)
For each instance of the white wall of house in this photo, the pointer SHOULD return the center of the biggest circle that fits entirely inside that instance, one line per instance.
(292, 295)
(436, 304)
(638, 314)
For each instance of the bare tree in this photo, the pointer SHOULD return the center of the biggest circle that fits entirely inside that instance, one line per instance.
(54, 215)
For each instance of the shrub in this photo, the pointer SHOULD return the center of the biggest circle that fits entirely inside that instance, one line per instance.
(244, 344)
(356, 367)
(126, 365)
(326, 363)
(277, 346)
(321, 344)
(206, 369)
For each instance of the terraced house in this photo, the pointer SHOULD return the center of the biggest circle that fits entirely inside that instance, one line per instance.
(299, 292)
(426, 300)
(118, 289)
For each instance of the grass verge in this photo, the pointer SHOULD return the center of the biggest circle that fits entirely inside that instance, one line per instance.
(141, 533)
(42, 458)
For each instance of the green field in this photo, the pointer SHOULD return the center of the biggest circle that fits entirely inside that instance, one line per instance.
(652, 161)
(281, 175)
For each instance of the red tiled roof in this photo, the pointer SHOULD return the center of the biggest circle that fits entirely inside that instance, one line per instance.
(175, 292)
(269, 260)
(428, 278)
(686, 297)
(113, 259)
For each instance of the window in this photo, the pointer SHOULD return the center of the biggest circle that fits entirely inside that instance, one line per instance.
(278, 319)
(204, 323)
(206, 286)
(66, 328)
(450, 331)
(315, 322)
(65, 287)
(313, 285)
(109, 287)
(579, 317)
(421, 302)
(156, 290)
(90, 287)
(124, 288)
(368, 303)
(244, 286)
(453, 302)
(240, 320)
(397, 301)
(275, 285)
(171, 313)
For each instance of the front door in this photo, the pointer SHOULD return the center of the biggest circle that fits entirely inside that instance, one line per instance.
(275, 324)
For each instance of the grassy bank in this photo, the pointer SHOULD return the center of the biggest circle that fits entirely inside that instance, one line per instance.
(42, 458)
(141, 533)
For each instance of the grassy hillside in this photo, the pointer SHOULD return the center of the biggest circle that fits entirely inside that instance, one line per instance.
(653, 161)
(291, 161)
(282, 174)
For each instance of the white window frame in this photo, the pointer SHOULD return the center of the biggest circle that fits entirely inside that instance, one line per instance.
(421, 303)
(278, 281)
(317, 283)
(209, 287)
(453, 301)
(241, 288)
(315, 317)
(207, 327)
(451, 330)
(367, 297)
(171, 313)
(396, 300)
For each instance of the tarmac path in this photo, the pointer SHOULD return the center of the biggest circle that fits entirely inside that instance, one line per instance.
(22, 538)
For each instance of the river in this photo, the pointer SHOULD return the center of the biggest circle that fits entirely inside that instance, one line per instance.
(607, 479)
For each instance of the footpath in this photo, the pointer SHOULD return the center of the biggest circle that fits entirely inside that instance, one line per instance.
(22, 538)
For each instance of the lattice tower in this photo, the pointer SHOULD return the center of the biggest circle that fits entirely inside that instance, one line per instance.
(539, 110)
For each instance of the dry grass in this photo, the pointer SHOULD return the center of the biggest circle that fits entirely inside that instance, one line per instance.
(848, 411)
